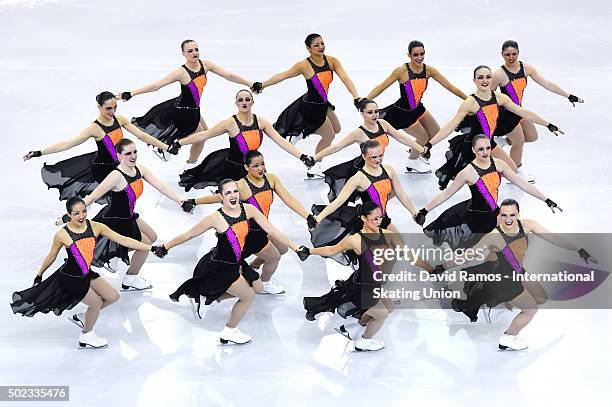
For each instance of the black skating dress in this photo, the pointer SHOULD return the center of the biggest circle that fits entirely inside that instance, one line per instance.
(178, 117)
(67, 286)
(119, 216)
(304, 116)
(408, 108)
(80, 175)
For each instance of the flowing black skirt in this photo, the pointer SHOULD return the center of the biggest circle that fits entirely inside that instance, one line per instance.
(106, 249)
(213, 169)
(507, 122)
(256, 240)
(460, 226)
(458, 156)
(401, 118)
(491, 293)
(212, 278)
(61, 291)
(337, 176)
(168, 122)
(347, 297)
(77, 176)
(301, 118)
(341, 223)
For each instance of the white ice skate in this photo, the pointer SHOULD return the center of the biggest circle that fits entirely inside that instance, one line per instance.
(418, 165)
(134, 282)
(234, 335)
(270, 287)
(512, 342)
(368, 345)
(92, 340)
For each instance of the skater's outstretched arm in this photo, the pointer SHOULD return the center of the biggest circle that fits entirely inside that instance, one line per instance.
(339, 69)
(506, 102)
(348, 243)
(218, 129)
(380, 88)
(102, 229)
(53, 252)
(277, 138)
(161, 186)
(441, 79)
(351, 186)
(111, 181)
(399, 192)
(295, 70)
(224, 73)
(287, 197)
(401, 136)
(174, 76)
(557, 239)
(141, 135)
(253, 213)
(62, 145)
(465, 109)
(351, 138)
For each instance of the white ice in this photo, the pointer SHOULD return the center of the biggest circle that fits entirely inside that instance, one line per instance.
(57, 55)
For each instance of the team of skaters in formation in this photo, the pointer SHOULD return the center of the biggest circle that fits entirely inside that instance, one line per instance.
(347, 229)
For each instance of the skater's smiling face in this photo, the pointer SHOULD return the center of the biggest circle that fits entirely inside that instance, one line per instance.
(316, 47)
(370, 113)
(417, 55)
(244, 101)
(510, 55)
(508, 215)
(191, 52)
(482, 149)
(257, 167)
(482, 78)
(127, 153)
(230, 195)
(78, 213)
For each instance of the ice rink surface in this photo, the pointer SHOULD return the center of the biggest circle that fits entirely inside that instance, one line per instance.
(57, 55)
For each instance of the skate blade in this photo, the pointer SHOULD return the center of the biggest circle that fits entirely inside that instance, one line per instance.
(227, 342)
(127, 288)
(368, 350)
(412, 171)
(194, 309)
(345, 334)
(272, 294)
(76, 321)
(88, 346)
(314, 177)
(509, 349)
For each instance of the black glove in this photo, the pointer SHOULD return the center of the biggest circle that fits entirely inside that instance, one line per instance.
(307, 160)
(357, 101)
(439, 269)
(160, 251)
(188, 205)
(552, 205)
(126, 96)
(257, 87)
(174, 147)
(303, 252)
(419, 218)
(37, 279)
(312, 222)
(35, 153)
(552, 127)
(574, 99)
(65, 218)
(585, 255)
